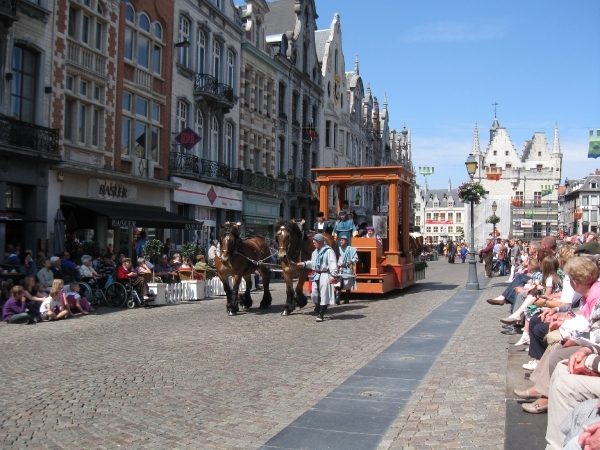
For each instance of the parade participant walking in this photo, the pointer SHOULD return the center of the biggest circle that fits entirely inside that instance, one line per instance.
(464, 251)
(451, 252)
(346, 262)
(345, 227)
(325, 272)
(322, 225)
(488, 257)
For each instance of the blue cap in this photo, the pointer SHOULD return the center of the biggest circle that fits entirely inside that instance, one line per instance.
(343, 212)
(319, 237)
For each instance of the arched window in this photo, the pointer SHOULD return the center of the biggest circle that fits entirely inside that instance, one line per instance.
(200, 51)
(130, 13)
(144, 23)
(216, 60)
(183, 53)
(230, 68)
(158, 31)
(335, 64)
(199, 129)
(214, 140)
(229, 145)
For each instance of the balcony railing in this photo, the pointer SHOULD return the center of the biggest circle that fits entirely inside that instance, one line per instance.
(183, 162)
(8, 6)
(17, 133)
(300, 186)
(254, 180)
(207, 84)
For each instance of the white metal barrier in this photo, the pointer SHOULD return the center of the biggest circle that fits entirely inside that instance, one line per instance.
(215, 287)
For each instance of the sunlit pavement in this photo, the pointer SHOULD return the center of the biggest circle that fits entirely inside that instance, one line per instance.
(189, 376)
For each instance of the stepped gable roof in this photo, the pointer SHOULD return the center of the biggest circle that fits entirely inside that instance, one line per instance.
(321, 38)
(280, 18)
(439, 195)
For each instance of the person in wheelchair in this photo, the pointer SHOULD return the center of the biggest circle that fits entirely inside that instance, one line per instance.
(87, 272)
(125, 275)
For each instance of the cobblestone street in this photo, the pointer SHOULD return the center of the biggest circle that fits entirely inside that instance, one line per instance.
(189, 376)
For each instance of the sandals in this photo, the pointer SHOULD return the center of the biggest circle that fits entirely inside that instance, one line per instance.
(534, 408)
(527, 395)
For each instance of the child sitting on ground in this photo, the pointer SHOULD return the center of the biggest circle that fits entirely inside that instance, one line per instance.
(76, 300)
(51, 308)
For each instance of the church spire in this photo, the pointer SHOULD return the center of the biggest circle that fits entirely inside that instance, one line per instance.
(385, 100)
(356, 65)
(556, 145)
(476, 149)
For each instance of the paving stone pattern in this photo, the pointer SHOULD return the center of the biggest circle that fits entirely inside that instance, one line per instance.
(189, 376)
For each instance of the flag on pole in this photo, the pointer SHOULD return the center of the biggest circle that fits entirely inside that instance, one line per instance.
(594, 151)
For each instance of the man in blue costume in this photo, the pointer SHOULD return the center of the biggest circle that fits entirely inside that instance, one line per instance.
(345, 227)
(346, 262)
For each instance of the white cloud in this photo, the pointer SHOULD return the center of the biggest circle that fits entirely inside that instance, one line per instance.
(454, 31)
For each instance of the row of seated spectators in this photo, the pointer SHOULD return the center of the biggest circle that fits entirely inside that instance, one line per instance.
(554, 303)
(25, 301)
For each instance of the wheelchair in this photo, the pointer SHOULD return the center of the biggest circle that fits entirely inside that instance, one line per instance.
(92, 292)
(120, 294)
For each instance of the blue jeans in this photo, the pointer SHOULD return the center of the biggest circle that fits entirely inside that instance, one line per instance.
(503, 267)
(19, 318)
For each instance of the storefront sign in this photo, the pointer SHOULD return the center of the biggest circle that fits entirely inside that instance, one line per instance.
(194, 226)
(202, 194)
(119, 223)
(111, 190)
(188, 138)
(439, 222)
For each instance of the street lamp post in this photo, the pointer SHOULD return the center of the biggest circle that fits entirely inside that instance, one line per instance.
(494, 208)
(472, 281)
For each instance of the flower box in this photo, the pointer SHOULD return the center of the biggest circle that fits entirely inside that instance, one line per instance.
(160, 289)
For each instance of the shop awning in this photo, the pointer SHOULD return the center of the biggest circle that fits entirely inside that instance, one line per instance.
(127, 215)
(10, 216)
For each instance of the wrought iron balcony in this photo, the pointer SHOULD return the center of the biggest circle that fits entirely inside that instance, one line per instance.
(208, 88)
(254, 180)
(16, 133)
(300, 186)
(183, 162)
(8, 12)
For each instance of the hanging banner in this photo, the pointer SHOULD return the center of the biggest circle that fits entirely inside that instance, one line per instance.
(526, 223)
(594, 150)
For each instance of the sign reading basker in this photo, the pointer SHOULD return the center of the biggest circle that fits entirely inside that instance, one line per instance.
(188, 138)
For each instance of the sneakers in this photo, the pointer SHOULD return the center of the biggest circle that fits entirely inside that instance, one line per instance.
(531, 365)
(320, 319)
(511, 331)
(524, 340)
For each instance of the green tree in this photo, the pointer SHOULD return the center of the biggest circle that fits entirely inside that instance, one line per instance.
(152, 251)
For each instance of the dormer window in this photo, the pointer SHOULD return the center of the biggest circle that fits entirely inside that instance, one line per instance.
(450, 203)
(436, 204)
(539, 167)
(593, 185)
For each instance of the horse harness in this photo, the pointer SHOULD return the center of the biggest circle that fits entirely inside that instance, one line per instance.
(298, 252)
(235, 251)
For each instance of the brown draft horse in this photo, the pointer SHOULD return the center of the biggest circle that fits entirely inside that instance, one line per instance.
(238, 260)
(295, 246)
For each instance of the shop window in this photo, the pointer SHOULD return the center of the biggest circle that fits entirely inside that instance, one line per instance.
(14, 197)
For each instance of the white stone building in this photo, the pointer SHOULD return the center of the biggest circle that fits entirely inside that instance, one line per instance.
(524, 185)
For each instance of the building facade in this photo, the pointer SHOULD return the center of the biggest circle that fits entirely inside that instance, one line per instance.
(524, 186)
(290, 27)
(579, 205)
(439, 214)
(204, 156)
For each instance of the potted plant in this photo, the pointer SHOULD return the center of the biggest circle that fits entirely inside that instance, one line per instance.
(152, 251)
(471, 191)
(91, 248)
(190, 250)
(420, 270)
(493, 219)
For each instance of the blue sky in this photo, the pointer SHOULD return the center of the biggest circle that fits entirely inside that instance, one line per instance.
(444, 63)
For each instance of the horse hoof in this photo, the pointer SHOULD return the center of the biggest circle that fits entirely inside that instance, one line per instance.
(285, 312)
(246, 308)
(230, 313)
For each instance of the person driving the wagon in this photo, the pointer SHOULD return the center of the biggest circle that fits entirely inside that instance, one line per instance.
(125, 273)
(345, 227)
